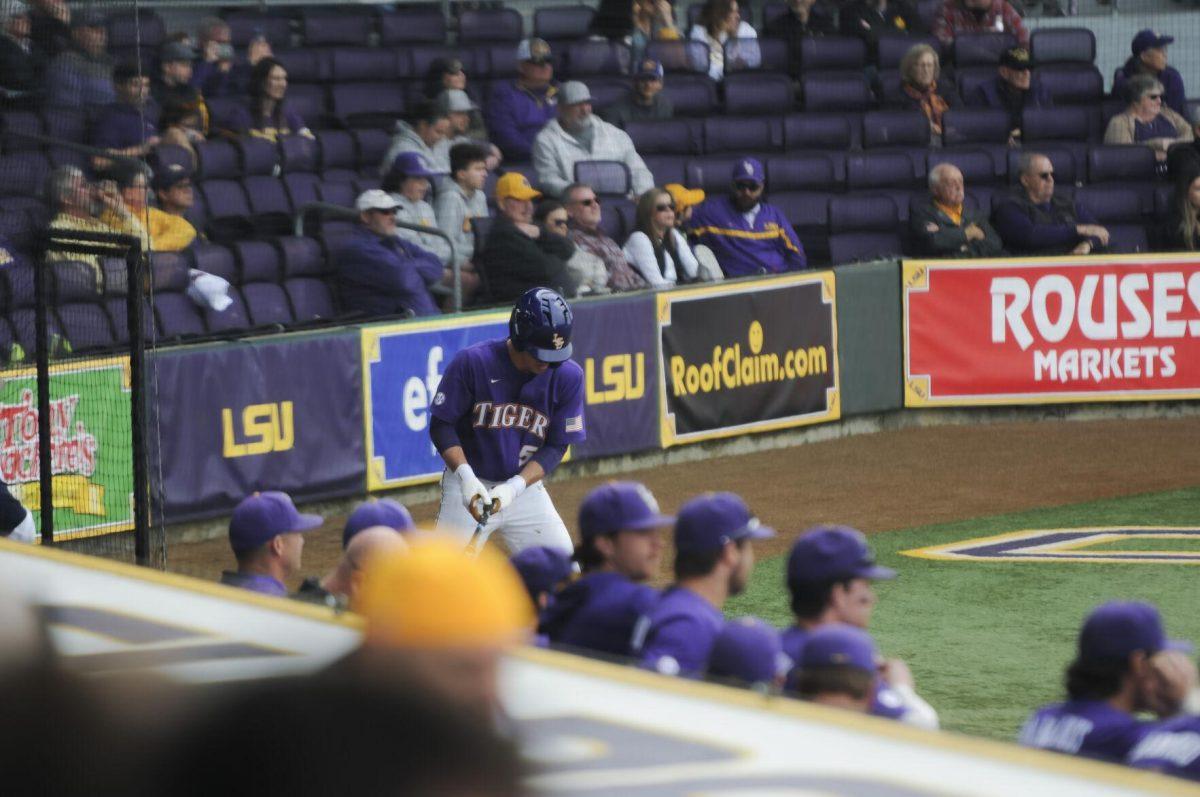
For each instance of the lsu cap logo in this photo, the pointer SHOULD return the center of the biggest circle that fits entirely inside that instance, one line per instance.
(558, 341)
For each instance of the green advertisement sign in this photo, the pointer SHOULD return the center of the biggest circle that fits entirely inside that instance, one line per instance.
(90, 442)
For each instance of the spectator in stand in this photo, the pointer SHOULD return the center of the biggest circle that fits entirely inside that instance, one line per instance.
(173, 188)
(174, 81)
(1147, 120)
(804, 20)
(686, 200)
(463, 113)
(837, 668)
(77, 203)
(920, 91)
(869, 19)
(1182, 233)
(462, 200)
(50, 21)
(636, 24)
(423, 134)
(159, 230)
(266, 533)
(979, 16)
(516, 255)
(1150, 58)
(447, 74)
(219, 73)
(1124, 665)
(579, 135)
(586, 270)
(747, 235)
(82, 77)
(126, 127)
(380, 273)
(943, 226)
(646, 102)
(181, 125)
(747, 653)
(22, 61)
(714, 557)
(620, 549)
(1013, 90)
(267, 115)
(657, 250)
(517, 111)
(1033, 221)
(585, 212)
(720, 21)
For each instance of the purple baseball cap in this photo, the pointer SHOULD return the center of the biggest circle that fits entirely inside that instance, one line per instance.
(1114, 630)
(708, 521)
(263, 516)
(541, 569)
(748, 170)
(373, 512)
(410, 164)
(620, 506)
(839, 645)
(833, 553)
(1146, 39)
(749, 650)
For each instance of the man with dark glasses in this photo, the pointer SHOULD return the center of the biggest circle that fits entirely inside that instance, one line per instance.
(1033, 221)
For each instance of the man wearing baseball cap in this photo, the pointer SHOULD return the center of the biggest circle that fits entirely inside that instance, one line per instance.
(578, 135)
(517, 110)
(266, 535)
(22, 59)
(543, 571)
(380, 274)
(838, 668)
(646, 103)
(714, 557)
(620, 549)
(377, 512)
(516, 256)
(747, 235)
(1012, 90)
(1124, 665)
(174, 80)
(1150, 58)
(748, 653)
(82, 76)
(409, 183)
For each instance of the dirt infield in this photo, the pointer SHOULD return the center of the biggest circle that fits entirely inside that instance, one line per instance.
(878, 482)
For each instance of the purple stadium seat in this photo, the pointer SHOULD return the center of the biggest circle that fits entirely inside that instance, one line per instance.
(304, 65)
(1072, 84)
(608, 89)
(832, 53)
(1063, 46)
(1056, 124)
(86, 325)
(978, 167)
(500, 58)
(68, 124)
(216, 259)
(23, 326)
(757, 93)
(692, 95)
(863, 228)
(808, 213)
(895, 129)
(848, 92)
(372, 146)
(338, 150)
(245, 25)
(1116, 163)
(892, 174)
(368, 104)
(976, 49)
(217, 159)
(298, 154)
(975, 126)
(346, 25)
(17, 228)
(117, 310)
(893, 47)
(772, 12)
(301, 257)
(666, 168)
(338, 194)
(258, 156)
(197, 214)
(423, 56)
(412, 24)
(772, 56)
(136, 28)
(669, 136)
(310, 298)
(233, 318)
(302, 189)
(970, 78)
(168, 270)
(366, 63)
(802, 172)
(585, 58)
(680, 56)
(19, 287)
(710, 172)
(610, 178)
(24, 175)
(1127, 239)
(616, 217)
(17, 126)
(177, 315)
(72, 282)
(270, 205)
(1111, 203)
(490, 25)
(742, 136)
(561, 23)
(807, 131)
(259, 261)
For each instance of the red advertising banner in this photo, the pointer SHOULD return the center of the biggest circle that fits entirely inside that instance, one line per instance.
(1027, 331)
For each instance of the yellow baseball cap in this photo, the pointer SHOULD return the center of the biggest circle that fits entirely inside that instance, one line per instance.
(434, 596)
(684, 197)
(516, 186)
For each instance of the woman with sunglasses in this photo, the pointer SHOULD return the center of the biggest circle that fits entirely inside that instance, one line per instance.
(657, 250)
(587, 270)
(1146, 120)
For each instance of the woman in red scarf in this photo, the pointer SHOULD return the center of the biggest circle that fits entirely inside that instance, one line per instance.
(919, 89)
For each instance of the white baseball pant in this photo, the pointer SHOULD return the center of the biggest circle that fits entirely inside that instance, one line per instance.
(531, 521)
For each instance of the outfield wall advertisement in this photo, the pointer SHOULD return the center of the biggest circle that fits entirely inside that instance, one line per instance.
(749, 357)
(1051, 330)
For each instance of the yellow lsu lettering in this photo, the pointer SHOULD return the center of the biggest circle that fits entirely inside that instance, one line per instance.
(265, 428)
(730, 369)
(623, 377)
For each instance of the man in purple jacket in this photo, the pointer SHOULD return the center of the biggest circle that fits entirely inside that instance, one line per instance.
(1125, 664)
(714, 556)
(265, 533)
(1033, 221)
(380, 274)
(518, 110)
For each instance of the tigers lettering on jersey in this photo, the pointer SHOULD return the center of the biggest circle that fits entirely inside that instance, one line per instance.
(488, 415)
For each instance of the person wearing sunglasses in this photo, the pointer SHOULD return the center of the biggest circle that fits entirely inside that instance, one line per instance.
(1012, 90)
(656, 249)
(747, 235)
(586, 270)
(1033, 221)
(1147, 120)
(585, 212)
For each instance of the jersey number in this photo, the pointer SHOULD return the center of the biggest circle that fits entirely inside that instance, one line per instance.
(526, 454)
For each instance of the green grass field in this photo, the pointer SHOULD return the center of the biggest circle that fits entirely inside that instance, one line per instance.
(987, 642)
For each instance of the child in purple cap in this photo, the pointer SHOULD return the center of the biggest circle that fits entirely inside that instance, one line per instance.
(621, 548)
(1125, 664)
(266, 535)
(714, 557)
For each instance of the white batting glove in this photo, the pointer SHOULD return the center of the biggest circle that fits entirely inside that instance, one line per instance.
(504, 494)
(25, 531)
(474, 495)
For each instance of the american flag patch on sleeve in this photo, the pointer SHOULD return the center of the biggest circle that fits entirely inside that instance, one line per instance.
(575, 423)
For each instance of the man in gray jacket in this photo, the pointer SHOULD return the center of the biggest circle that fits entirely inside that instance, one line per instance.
(578, 135)
(428, 127)
(944, 226)
(461, 200)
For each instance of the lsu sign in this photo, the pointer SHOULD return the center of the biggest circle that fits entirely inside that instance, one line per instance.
(264, 428)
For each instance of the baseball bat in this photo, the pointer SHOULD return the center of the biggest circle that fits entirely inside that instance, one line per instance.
(475, 544)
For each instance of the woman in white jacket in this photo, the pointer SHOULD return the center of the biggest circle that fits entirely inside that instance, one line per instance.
(657, 250)
(719, 22)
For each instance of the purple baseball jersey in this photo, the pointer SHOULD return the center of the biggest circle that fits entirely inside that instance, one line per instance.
(1172, 747)
(503, 416)
(884, 702)
(597, 613)
(1090, 728)
(676, 636)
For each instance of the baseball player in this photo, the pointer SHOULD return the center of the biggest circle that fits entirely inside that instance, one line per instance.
(1172, 748)
(502, 419)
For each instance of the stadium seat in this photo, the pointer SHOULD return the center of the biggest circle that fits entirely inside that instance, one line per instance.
(757, 93)
(217, 159)
(848, 92)
(617, 218)
(692, 95)
(216, 259)
(67, 124)
(25, 175)
(609, 89)
(298, 154)
(1130, 166)
(680, 56)
(490, 24)
(802, 172)
(882, 129)
(424, 55)
(668, 136)
(16, 127)
(893, 48)
(1072, 84)
(376, 105)
(892, 174)
(832, 53)
(666, 168)
(607, 178)
(80, 313)
(863, 228)
(228, 210)
(772, 12)
(138, 28)
(244, 26)
(808, 213)
(348, 64)
(562, 23)
(372, 146)
(304, 65)
(270, 205)
(742, 136)
(412, 24)
(586, 58)
(710, 172)
(1062, 46)
(807, 131)
(233, 318)
(980, 49)
(345, 25)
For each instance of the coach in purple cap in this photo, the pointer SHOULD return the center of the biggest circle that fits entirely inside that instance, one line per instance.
(838, 668)
(1150, 58)
(747, 235)
(377, 512)
(1125, 664)
(714, 557)
(621, 530)
(747, 652)
(265, 534)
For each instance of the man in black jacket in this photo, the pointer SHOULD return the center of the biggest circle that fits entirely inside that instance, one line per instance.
(943, 226)
(519, 255)
(21, 59)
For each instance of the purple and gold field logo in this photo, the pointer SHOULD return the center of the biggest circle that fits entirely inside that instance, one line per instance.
(1117, 544)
